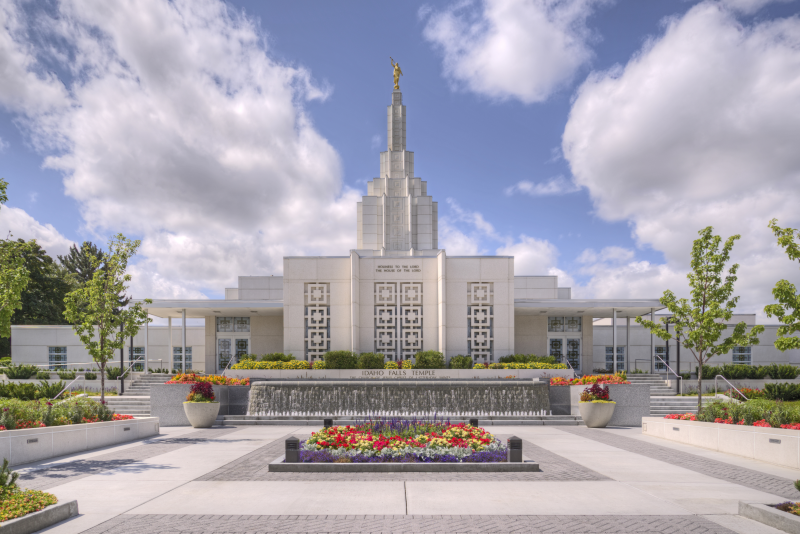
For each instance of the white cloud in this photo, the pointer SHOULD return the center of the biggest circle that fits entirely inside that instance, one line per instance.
(3, 145)
(698, 129)
(521, 49)
(375, 142)
(21, 225)
(749, 7)
(181, 129)
(531, 256)
(557, 185)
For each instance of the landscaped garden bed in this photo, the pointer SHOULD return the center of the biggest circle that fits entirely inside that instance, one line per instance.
(757, 412)
(218, 380)
(18, 414)
(403, 441)
(587, 380)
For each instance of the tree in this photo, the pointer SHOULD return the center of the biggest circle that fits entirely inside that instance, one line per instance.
(13, 275)
(43, 299)
(788, 308)
(93, 308)
(699, 322)
(79, 261)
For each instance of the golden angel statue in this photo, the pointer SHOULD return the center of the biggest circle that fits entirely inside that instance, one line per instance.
(397, 73)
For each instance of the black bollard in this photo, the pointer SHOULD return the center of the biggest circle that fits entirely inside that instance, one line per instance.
(327, 423)
(292, 450)
(514, 449)
(473, 422)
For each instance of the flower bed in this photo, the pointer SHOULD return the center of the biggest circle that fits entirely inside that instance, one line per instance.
(530, 365)
(18, 415)
(619, 378)
(17, 503)
(757, 412)
(403, 441)
(211, 379)
(303, 365)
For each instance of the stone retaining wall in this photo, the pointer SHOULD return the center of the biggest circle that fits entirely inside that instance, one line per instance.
(399, 374)
(166, 401)
(34, 444)
(773, 445)
(633, 402)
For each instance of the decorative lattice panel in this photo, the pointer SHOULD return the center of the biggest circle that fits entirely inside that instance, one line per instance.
(317, 319)
(398, 319)
(480, 320)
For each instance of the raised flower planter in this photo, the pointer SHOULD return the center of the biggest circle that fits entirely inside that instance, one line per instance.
(201, 414)
(200, 406)
(596, 407)
(772, 445)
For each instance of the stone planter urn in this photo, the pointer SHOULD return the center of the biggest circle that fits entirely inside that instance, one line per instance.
(596, 414)
(201, 414)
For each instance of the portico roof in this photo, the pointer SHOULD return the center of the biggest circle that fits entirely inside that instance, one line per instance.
(213, 307)
(592, 307)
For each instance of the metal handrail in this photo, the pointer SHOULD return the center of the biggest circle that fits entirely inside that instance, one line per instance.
(679, 377)
(68, 385)
(731, 385)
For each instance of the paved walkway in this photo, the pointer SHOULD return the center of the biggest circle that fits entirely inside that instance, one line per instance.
(592, 481)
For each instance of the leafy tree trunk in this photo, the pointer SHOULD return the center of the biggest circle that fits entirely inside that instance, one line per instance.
(102, 375)
(700, 386)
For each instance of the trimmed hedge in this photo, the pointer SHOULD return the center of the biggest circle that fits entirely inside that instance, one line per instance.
(782, 392)
(429, 359)
(460, 362)
(527, 358)
(370, 360)
(755, 372)
(341, 359)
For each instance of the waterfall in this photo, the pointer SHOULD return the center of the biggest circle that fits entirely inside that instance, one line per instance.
(447, 398)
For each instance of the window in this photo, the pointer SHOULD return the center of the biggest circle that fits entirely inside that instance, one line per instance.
(176, 358)
(742, 356)
(564, 324)
(137, 355)
(224, 352)
(610, 358)
(57, 357)
(233, 324)
(661, 352)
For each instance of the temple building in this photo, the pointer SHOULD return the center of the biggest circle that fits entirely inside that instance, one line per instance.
(395, 293)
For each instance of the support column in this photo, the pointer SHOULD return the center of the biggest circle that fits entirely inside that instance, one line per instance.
(147, 346)
(614, 337)
(628, 343)
(652, 340)
(169, 347)
(183, 341)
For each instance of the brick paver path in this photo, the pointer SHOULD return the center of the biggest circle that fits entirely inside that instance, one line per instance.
(50, 477)
(208, 524)
(254, 466)
(731, 473)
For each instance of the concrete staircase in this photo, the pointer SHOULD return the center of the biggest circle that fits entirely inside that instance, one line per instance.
(658, 387)
(140, 386)
(136, 399)
(237, 420)
(663, 398)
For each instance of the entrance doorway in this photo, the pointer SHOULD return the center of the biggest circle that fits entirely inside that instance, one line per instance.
(231, 347)
(566, 349)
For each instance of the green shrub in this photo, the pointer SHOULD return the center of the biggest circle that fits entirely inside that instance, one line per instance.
(782, 391)
(340, 359)
(276, 357)
(14, 411)
(429, 359)
(47, 390)
(43, 375)
(113, 373)
(90, 375)
(20, 372)
(370, 360)
(527, 358)
(66, 375)
(758, 372)
(781, 371)
(460, 362)
(248, 357)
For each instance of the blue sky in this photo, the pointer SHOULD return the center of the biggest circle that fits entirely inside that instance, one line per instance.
(591, 139)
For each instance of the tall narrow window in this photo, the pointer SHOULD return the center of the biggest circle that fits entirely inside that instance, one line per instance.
(742, 356)
(136, 357)
(620, 358)
(317, 319)
(57, 357)
(224, 352)
(662, 359)
(480, 320)
(176, 359)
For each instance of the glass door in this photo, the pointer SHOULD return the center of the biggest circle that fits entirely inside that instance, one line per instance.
(224, 346)
(566, 349)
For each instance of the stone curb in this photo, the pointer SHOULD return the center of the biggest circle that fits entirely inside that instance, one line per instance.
(770, 516)
(278, 466)
(42, 519)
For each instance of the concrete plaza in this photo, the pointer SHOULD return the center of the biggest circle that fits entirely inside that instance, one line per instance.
(592, 480)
